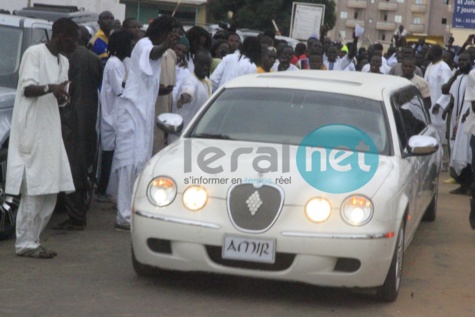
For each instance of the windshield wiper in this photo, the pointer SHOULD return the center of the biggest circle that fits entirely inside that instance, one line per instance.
(211, 136)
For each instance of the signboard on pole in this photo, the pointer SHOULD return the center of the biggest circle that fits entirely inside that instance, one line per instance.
(464, 14)
(306, 20)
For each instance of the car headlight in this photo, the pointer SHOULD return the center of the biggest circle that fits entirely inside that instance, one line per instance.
(318, 209)
(161, 191)
(357, 210)
(195, 198)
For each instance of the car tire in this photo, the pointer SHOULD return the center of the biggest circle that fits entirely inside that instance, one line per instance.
(389, 291)
(431, 211)
(8, 204)
(143, 269)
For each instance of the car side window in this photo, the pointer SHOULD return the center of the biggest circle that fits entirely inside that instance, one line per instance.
(409, 113)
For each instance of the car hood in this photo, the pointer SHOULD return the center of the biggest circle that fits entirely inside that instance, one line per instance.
(219, 164)
(7, 97)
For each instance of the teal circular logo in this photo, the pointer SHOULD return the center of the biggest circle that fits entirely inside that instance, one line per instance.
(337, 158)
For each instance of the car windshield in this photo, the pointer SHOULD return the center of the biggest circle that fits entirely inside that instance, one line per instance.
(287, 116)
(10, 50)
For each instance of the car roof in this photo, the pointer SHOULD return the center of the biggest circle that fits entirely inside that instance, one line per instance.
(16, 21)
(366, 85)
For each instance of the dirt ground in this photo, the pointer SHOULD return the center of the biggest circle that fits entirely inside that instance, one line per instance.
(93, 276)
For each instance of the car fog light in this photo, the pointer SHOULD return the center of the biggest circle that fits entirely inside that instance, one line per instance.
(161, 191)
(357, 210)
(195, 198)
(318, 209)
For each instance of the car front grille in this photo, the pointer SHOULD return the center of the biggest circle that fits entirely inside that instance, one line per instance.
(254, 208)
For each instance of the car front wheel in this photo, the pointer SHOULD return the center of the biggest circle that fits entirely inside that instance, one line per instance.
(390, 289)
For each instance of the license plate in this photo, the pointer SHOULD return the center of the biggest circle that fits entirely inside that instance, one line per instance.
(249, 249)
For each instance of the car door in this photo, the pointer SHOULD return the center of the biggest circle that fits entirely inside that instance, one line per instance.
(412, 119)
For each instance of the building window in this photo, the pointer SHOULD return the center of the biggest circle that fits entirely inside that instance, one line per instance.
(398, 19)
(419, 1)
(400, 1)
(343, 14)
(383, 38)
(417, 20)
(444, 21)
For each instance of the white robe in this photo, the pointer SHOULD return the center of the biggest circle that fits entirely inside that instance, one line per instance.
(136, 109)
(437, 75)
(181, 75)
(36, 146)
(344, 64)
(114, 74)
(200, 91)
(457, 90)
(232, 66)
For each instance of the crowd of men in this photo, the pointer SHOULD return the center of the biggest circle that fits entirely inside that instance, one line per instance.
(121, 78)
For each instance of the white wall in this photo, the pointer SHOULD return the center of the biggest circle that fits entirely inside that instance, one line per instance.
(118, 10)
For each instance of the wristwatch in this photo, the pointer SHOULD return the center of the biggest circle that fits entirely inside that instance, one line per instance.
(46, 89)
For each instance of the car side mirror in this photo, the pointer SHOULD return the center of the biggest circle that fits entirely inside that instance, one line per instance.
(170, 122)
(422, 145)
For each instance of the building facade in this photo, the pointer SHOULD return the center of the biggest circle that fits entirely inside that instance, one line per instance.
(381, 18)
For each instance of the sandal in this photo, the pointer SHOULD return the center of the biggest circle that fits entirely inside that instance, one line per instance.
(68, 225)
(39, 253)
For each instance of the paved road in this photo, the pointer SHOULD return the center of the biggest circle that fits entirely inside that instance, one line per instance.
(93, 276)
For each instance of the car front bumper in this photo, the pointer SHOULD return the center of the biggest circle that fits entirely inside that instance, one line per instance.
(326, 259)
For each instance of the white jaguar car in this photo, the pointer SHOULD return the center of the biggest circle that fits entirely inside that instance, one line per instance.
(312, 176)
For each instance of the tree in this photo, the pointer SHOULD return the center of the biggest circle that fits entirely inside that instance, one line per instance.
(258, 14)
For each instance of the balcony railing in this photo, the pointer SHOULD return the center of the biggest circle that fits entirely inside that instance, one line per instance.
(352, 23)
(419, 8)
(385, 26)
(387, 6)
(417, 28)
(357, 4)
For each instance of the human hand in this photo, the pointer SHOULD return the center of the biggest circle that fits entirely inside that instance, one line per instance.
(184, 98)
(435, 108)
(464, 117)
(445, 113)
(163, 91)
(60, 91)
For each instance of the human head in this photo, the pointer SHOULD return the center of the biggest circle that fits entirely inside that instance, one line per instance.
(315, 61)
(332, 53)
(234, 41)
(300, 49)
(448, 58)
(408, 67)
(327, 42)
(311, 40)
(202, 63)
(160, 29)
(251, 48)
(199, 38)
(266, 40)
(65, 36)
(220, 49)
(268, 57)
(465, 63)
(375, 64)
(133, 26)
(84, 36)
(116, 25)
(435, 53)
(285, 54)
(181, 48)
(343, 51)
(120, 44)
(106, 21)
